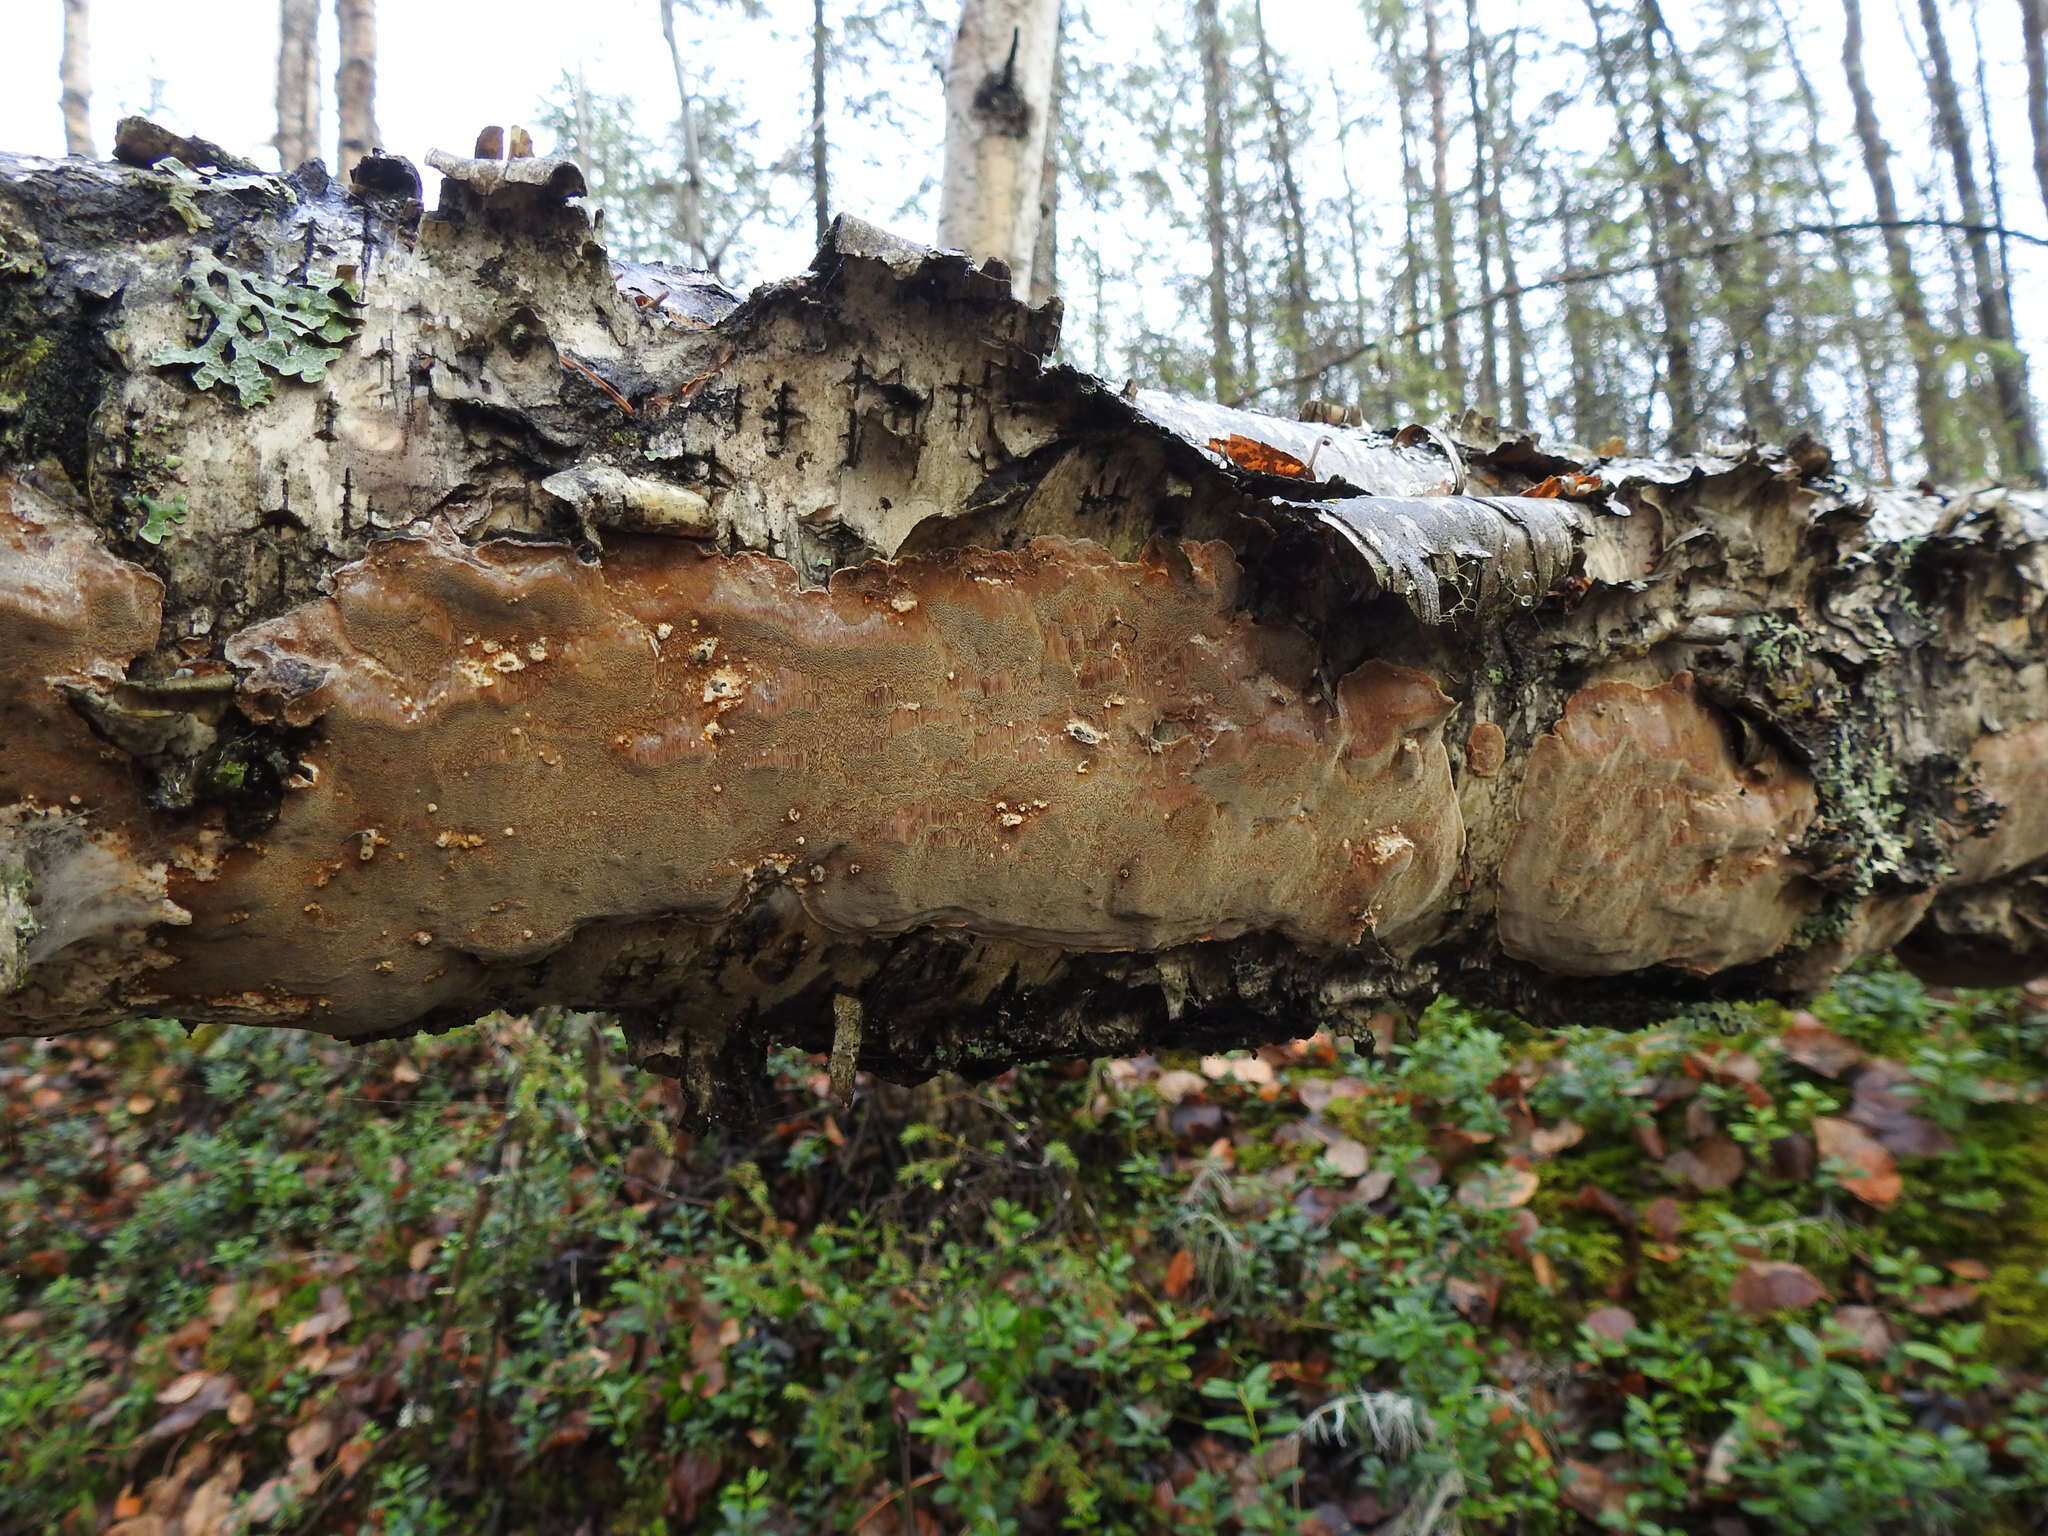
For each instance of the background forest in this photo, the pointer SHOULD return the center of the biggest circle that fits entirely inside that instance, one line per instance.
(1606, 220)
(1754, 1270)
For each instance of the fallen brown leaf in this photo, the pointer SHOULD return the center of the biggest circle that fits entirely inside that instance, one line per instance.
(1772, 1286)
(1498, 1188)
(1817, 1048)
(1260, 458)
(1611, 1323)
(1937, 1300)
(1548, 1141)
(1870, 1333)
(1870, 1175)
(1707, 1165)
(1347, 1157)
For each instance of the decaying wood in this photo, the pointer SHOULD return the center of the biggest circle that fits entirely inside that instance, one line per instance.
(405, 616)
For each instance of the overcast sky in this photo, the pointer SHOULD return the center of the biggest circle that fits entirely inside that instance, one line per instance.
(446, 67)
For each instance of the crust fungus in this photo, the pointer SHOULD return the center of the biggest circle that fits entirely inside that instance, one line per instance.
(1643, 839)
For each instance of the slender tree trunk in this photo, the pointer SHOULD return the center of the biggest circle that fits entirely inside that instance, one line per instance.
(1482, 207)
(1588, 426)
(1045, 257)
(355, 81)
(2034, 37)
(1868, 369)
(75, 78)
(1427, 396)
(690, 199)
(1295, 300)
(1663, 211)
(999, 115)
(2019, 448)
(1056, 722)
(1443, 217)
(821, 180)
(1362, 318)
(1500, 111)
(1930, 402)
(298, 82)
(1745, 313)
(1216, 216)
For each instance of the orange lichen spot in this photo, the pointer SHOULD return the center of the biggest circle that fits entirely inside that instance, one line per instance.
(1260, 458)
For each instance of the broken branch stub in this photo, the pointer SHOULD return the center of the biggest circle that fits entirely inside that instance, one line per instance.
(828, 668)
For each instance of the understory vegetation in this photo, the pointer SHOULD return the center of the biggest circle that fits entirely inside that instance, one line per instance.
(1756, 1270)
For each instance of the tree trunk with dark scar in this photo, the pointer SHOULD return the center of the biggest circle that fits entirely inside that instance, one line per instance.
(407, 616)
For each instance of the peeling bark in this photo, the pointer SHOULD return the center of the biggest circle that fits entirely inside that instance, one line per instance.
(546, 629)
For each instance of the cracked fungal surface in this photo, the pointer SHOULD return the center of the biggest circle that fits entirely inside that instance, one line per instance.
(1643, 839)
(1044, 745)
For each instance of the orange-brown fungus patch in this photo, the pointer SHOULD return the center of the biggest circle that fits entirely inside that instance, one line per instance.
(69, 612)
(1045, 745)
(1486, 749)
(1643, 840)
(2012, 768)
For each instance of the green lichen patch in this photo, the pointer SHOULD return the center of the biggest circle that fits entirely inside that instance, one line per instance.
(260, 330)
(182, 183)
(159, 516)
(17, 925)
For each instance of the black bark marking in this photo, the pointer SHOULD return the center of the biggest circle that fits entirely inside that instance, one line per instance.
(781, 416)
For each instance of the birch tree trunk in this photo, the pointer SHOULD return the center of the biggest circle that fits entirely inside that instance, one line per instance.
(1293, 217)
(998, 114)
(1442, 215)
(355, 80)
(1216, 214)
(821, 176)
(1929, 399)
(74, 69)
(690, 207)
(298, 82)
(2034, 39)
(408, 616)
(2019, 448)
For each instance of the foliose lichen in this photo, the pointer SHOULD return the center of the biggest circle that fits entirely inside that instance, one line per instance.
(261, 329)
(17, 924)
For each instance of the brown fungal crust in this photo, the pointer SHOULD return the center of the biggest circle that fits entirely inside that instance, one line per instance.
(1486, 749)
(71, 616)
(2012, 770)
(70, 612)
(1044, 745)
(1642, 840)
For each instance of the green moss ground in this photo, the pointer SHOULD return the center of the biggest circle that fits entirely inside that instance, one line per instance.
(480, 1283)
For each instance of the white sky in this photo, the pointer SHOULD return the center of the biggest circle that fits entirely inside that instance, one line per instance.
(446, 67)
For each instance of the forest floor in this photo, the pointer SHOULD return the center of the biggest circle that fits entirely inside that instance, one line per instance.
(1754, 1271)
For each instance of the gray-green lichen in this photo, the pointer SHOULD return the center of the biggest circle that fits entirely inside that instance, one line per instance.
(260, 329)
(17, 925)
